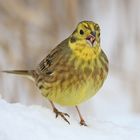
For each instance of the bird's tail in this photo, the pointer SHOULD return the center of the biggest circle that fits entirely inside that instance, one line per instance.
(25, 73)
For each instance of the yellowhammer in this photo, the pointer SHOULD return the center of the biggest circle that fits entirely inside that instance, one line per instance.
(73, 71)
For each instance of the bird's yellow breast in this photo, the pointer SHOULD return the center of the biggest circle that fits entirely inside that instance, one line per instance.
(82, 77)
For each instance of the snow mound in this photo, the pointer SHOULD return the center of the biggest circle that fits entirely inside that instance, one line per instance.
(19, 122)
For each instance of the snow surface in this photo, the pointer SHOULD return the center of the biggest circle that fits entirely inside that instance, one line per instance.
(20, 122)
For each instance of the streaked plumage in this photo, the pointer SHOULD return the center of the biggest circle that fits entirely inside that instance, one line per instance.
(73, 71)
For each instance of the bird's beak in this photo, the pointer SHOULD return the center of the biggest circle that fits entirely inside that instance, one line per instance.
(91, 38)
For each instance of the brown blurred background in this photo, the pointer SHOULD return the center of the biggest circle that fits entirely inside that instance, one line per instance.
(29, 29)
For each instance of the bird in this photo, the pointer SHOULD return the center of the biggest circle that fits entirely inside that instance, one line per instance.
(73, 71)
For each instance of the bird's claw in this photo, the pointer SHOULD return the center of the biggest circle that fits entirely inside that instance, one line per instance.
(58, 113)
(82, 122)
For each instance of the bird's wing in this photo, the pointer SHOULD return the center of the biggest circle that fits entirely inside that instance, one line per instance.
(49, 63)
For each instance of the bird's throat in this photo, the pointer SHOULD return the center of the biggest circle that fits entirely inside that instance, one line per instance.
(82, 50)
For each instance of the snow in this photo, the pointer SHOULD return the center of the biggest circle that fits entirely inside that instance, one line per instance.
(35, 122)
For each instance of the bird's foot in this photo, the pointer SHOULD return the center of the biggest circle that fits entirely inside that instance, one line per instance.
(82, 122)
(63, 115)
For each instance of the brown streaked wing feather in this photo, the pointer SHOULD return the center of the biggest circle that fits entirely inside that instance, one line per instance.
(49, 63)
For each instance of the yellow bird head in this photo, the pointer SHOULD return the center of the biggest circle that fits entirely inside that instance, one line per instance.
(87, 31)
(85, 40)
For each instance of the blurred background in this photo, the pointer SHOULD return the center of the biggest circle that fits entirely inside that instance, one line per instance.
(29, 29)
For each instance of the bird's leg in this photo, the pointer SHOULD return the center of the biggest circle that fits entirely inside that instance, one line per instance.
(82, 122)
(55, 110)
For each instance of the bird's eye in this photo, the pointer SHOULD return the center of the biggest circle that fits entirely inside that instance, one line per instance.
(81, 32)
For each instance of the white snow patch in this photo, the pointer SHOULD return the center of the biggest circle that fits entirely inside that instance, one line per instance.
(38, 123)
